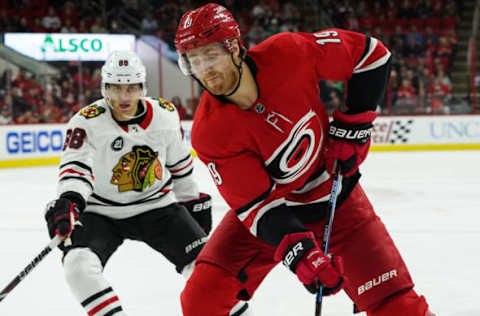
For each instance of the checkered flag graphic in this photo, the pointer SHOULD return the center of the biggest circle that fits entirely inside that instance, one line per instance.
(401, 131)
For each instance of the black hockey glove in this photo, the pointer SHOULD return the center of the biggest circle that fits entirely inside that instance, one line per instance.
(62, 213)
(201, 211)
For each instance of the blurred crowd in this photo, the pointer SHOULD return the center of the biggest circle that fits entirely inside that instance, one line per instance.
(422, 35)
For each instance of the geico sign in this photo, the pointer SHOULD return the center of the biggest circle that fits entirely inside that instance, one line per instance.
(34, 141)
(71, 45)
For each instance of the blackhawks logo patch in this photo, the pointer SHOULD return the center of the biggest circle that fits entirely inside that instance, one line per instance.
(166, 104)
(92, 111)
(137, 170)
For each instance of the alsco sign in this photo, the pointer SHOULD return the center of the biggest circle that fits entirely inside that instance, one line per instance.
(65, 46)
(72, 45)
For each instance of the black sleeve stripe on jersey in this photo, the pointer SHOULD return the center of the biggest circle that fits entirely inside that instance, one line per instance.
(367, 47)
(92, 298)
(148, 198)
(77, 163)
(77, 178)
(277, 223)
(366, 90)
(174, 176)
(178, 162)
(262, 197)
(107, 202)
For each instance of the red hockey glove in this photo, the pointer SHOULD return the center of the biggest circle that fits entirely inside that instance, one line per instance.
(301, 254)
(349, 141)
(61, 215)
(201, 211)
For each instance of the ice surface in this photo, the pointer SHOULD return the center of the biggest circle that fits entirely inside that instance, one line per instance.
(429, 201)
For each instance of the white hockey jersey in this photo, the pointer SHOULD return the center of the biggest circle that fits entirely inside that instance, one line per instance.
(125, 170)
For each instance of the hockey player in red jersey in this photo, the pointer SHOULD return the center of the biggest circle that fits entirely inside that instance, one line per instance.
(265, 136)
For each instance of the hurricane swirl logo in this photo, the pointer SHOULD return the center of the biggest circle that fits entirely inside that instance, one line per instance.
(297, 153)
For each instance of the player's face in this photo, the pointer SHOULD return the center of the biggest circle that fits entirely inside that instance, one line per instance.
(124, 100)
(213, 66)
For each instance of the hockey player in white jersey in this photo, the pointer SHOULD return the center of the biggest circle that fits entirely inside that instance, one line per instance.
(125, 173)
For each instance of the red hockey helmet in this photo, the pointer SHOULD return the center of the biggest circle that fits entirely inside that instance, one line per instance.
(207, 24)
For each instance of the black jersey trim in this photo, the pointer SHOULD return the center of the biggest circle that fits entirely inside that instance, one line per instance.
(114, 311)
(77, 163)
(96, 296)
(146, 199)
(178, 162)
(260, 198)
(183, 175)
(77, 178)
(367, 47)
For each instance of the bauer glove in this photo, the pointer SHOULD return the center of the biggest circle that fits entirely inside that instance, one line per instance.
(62, 213)
(201, 211)
(301, 254)
(349, 141)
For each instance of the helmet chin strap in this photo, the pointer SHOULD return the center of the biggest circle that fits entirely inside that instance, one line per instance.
(240, 72)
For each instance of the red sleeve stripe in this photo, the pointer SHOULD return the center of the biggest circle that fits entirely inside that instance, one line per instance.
(190, 162)
(376, 56)
(72, 171)
(102, 305)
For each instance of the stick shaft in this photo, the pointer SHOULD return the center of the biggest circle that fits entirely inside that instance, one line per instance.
(332, 202)
(19, 277)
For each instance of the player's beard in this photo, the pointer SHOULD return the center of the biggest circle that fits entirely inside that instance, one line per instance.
(221, 83)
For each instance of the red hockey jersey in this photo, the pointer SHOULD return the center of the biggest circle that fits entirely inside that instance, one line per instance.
(272, 153)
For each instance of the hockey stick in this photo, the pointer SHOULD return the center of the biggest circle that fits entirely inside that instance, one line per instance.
(332, 202)
(45, 251)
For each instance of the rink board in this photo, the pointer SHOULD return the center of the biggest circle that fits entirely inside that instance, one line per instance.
(41, 144)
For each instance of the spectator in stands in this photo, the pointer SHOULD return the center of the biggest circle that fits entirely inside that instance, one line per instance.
(33, 97)
(149, 24)
(82, 27)
(444, 52)
(24, 25)
(28, 117)
(5, 22)
(412, 49)
(5, 115)
(450, 9)
(422, 98)
(415, 35)
(69, 13)
(429, 35)
(259, 10)
(6, 79)
(192, 104)
(50, 111)
(440, 94)
(85, 10)
(406, 95)
(37, 26)
(255, 35)
(98, 26)
(397, 39)
(443, 78)
(51, 22)
(182, 112)
(67, 27)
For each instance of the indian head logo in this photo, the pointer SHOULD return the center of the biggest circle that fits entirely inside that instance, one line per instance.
(137, 170)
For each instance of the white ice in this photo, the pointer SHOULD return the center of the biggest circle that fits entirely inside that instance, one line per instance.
(428, 200)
